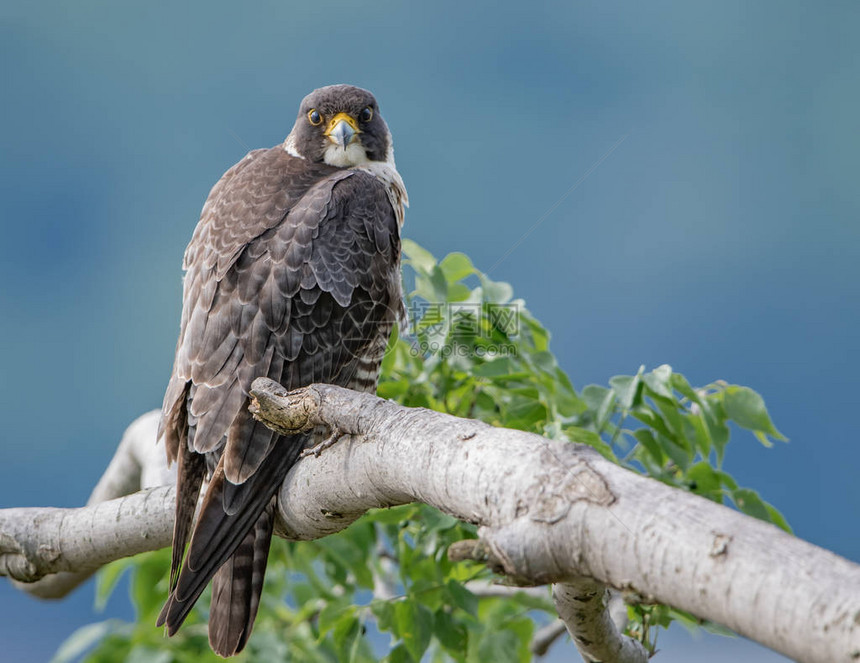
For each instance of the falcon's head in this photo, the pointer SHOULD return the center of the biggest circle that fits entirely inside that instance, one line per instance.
(340, 125)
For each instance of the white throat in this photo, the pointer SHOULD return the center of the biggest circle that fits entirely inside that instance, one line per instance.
(353, 155)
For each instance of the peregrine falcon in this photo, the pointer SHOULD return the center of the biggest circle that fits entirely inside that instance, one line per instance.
(293, 273)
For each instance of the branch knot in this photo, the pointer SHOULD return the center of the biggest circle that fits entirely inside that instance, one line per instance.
(288, 412)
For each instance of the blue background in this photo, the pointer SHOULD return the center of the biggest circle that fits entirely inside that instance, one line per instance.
(720, 236)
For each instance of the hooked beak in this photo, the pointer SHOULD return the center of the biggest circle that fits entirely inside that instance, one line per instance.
(342, 129)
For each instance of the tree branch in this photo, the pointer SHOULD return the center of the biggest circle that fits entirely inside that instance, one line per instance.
(41, 540)
(547, 512)
(137, 463)
(558, 512)
(545, 637)
(584, 607)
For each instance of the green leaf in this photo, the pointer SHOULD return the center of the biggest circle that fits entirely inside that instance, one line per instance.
(496, 292)
(414, 625)
(436, 520)
(646, 439)
(652, 419)
(332, 614)
(705, 481)
(626, 388)
(498, 647)
(660, 381)
(699, 432)
(266, 645)
(81, 640)
(535, 335)
(523, 628)
(673, 418)
(151, 569)
(461, 597)
(433, 287)
(107, 578)
(679, 382)
(751, 504)
(679, 454)
(394, 514)
(502, 367)
(142, 654)
(727, 480)
(420, 259)
(118, 646)
(592, 439)
(583, 436)
(746, 408)
(777, 518)
(719, 433)
(567, 401)
(525, 414)
(456, 266)
(398, 655)
(451, 633)
(384, 613)
(599, 401)
(345, 635)
(532, 601)
(457, 292)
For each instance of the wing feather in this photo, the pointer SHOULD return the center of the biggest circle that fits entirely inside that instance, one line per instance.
(292, 272)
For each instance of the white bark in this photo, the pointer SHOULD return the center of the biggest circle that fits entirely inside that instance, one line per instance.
(546, 511)
(584, 606)
(41, 540)
(137, 463)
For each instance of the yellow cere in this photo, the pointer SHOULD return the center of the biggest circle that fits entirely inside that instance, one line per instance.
(346, 117)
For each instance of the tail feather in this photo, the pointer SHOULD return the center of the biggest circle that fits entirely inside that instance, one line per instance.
(262, 543)
(218, 535)
(236, 589)
(192, 468)
(215, 537)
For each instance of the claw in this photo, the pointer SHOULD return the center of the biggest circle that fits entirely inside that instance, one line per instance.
(330, 441)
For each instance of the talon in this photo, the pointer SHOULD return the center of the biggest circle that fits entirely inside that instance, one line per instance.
(330, 441)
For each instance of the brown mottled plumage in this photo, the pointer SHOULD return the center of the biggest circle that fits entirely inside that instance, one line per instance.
(293, 273)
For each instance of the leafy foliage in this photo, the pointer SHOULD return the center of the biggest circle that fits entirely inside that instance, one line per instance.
(473, 351)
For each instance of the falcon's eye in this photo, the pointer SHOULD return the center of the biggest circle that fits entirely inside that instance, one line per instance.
(366, 115)
(314, 117)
